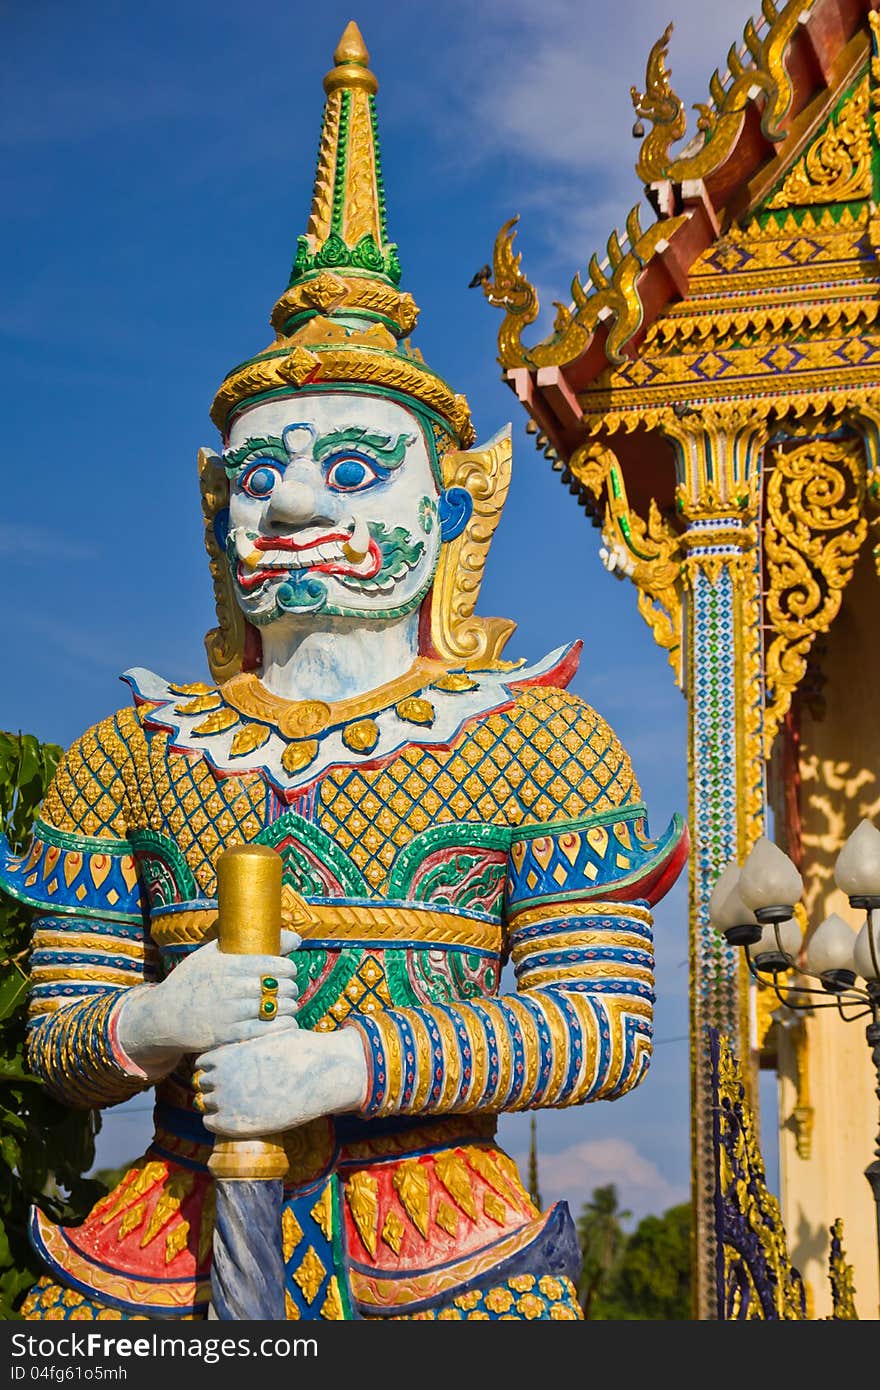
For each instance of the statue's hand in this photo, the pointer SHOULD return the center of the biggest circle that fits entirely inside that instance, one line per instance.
(209, 999)
(280, 1080)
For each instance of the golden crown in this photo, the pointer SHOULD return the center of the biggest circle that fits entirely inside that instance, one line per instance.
(343, 319)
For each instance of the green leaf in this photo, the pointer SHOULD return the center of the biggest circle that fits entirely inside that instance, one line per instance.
(15, 1069)
(51, 756)
(13, 1283)
(13, 988)
(45, 1146)
(5, 1255)
(11, 1120)
(10, 1150)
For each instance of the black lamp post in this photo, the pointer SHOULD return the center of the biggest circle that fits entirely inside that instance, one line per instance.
(753, 907)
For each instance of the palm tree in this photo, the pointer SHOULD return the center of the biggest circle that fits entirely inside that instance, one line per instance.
(602, 1241)
(534, 1189)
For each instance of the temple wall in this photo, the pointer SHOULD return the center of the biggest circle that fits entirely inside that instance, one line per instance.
(840, 784)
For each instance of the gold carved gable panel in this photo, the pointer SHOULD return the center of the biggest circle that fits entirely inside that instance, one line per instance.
(836, 167)
(783, 308)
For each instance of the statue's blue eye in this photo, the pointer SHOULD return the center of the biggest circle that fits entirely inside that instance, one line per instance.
(259, 479)
(347, 472)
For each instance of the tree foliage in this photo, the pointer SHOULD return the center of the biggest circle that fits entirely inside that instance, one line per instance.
(45, 1147)
(602, 1241)
(645, 1275)
(653, 1278)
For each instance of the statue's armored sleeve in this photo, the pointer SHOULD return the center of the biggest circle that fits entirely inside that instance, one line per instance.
(90, 939)
(578, 923)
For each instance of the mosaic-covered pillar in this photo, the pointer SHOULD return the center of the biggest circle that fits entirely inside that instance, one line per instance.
(718, 459)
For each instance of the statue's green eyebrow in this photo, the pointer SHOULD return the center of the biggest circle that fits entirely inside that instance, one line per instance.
(269, 446)
(390, 451)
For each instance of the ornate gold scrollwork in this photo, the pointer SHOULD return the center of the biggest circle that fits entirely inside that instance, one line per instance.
(224, 643)
(648, 553)
(867, 420)
(874, 76)
(837, 166)
(743, 1187)
(840, 1276)
(457, 634)
(812, 535)
(590, 465)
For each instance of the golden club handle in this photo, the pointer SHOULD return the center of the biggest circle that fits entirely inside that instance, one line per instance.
(249, 899)
(249, 923)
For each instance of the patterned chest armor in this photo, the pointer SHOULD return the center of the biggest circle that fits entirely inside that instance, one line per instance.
(452, 825)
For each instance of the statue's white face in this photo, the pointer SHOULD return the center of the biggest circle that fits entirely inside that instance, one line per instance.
(332, 509)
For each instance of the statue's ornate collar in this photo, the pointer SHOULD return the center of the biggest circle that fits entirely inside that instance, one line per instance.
(307, 718)
(240, 726)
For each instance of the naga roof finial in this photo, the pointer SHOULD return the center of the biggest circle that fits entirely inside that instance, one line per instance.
(660, 105)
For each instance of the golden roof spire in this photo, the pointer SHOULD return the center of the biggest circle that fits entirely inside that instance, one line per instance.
(352, 63)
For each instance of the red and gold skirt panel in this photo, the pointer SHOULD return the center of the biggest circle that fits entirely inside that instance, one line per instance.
(403, 1224)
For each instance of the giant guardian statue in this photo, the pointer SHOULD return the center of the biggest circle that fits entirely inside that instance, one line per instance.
(440, 812)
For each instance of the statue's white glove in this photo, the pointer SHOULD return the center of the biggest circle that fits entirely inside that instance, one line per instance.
(281, 1079)
(209, 999)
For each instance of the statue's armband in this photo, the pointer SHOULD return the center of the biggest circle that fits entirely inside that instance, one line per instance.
(89, 945)
(579, 1025)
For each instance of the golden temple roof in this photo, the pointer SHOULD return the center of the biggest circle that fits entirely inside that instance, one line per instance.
(751, 151)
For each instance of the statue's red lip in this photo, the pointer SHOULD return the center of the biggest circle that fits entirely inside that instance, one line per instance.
(288, 542)
(251, 579)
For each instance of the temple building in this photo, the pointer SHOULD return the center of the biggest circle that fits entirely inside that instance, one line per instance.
(711, 398)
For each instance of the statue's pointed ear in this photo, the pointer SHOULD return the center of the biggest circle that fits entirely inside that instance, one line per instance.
(482, 477)
(455, 508)
(225, 643)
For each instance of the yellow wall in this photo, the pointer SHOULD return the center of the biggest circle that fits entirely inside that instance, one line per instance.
(840, 783)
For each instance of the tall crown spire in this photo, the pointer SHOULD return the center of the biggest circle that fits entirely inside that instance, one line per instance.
(342, 317)
(347, 227)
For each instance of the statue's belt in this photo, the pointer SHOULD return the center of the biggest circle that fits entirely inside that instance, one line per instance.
(314, 1149)
(344, 921)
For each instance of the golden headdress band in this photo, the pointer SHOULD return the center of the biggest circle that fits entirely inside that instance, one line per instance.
(342, 317)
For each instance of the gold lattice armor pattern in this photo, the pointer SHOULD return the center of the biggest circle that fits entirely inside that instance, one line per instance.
(89, 793)
(113, 779)
(551, 757)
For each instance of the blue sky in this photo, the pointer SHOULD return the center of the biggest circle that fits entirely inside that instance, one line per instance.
(155, 170)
